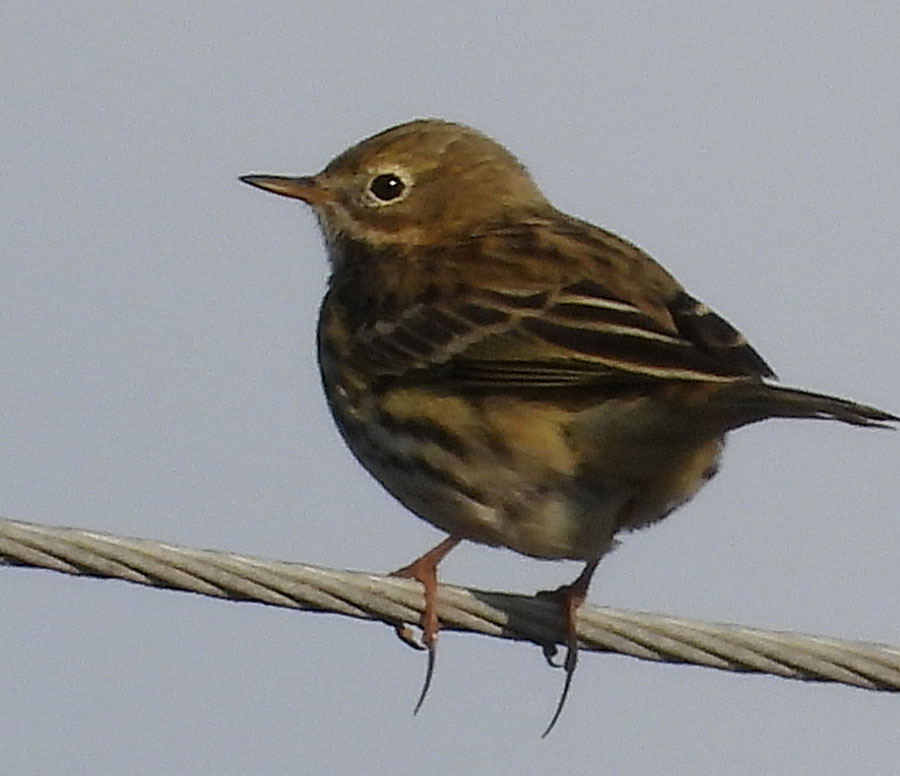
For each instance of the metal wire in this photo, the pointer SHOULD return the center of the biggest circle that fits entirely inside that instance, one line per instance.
(393, 600)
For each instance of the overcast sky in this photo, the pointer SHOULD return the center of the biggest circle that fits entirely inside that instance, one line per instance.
(159, 375)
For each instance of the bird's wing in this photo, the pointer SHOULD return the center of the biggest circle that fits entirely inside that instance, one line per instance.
(571, 335)
(579, 307)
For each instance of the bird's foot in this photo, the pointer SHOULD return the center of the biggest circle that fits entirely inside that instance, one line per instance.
(570, 597)
(424, 569)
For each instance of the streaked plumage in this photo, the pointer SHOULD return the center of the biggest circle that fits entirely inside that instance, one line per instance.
(512, 374)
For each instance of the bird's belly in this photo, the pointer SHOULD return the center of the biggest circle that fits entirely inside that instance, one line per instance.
(503, 471)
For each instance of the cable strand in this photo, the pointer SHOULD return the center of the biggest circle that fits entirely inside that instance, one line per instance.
(393, 600)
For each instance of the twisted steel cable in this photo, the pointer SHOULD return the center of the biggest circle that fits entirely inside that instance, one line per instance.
(393, 600)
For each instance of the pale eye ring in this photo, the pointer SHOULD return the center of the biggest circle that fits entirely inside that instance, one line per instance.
(387, 187)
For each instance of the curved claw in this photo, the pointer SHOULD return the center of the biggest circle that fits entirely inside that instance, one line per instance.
(429, 673)
(550, 651)
(571, 597)
(405, 634)
(569, 665)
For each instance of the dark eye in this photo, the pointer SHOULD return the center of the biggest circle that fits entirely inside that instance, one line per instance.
(387, 187)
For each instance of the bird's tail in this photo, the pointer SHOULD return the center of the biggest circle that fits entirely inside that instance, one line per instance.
(748, 402)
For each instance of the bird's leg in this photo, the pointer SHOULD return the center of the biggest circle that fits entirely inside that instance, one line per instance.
(570, 597)
(424, 569)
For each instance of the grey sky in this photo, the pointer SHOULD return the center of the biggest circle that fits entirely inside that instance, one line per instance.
(159, 378)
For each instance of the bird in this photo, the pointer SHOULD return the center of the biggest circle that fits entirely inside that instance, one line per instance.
(512, 374)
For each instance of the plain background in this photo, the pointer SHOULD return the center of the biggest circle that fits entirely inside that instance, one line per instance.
(159, 376)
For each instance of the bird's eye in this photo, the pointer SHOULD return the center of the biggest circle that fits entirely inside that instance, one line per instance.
(387, 187)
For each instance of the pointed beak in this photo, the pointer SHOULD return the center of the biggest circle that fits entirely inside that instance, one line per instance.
(306, 188)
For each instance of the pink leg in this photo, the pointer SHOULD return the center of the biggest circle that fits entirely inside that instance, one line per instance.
(424, 569)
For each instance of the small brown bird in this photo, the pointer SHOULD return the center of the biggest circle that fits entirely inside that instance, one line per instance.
(512, 374)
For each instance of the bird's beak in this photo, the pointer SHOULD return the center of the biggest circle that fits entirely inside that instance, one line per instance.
(306, 188)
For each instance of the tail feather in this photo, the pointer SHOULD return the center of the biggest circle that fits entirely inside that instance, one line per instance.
(749, 402)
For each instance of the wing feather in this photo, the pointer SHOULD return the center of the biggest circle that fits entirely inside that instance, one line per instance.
(559, 322)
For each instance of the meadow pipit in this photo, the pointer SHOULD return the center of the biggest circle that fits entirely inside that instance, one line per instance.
(513, 375)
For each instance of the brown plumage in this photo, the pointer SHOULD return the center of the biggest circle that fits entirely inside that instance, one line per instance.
(512, 374)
